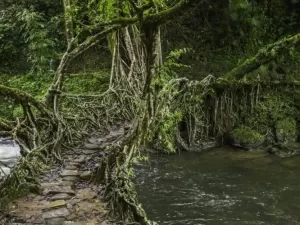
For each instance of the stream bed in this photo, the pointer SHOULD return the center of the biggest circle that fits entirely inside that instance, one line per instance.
(222, 186)
(9, 154)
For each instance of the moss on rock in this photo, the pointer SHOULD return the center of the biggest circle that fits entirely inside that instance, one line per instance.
(246, 137)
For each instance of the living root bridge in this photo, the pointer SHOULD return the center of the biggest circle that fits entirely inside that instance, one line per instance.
(212, 107)
(115, 173)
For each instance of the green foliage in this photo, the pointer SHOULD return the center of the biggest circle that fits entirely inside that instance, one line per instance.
(28, 36)
(246, 136)
(231, 31)
(167, 116)
(168, 70)
(272, 108)
(37, 86)
(40, 47)
(286, 130)
(33, 84)
(11, 45)
(166, 128)
(88, 83)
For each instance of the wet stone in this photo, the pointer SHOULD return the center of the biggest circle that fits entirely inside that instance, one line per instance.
(55, 221)
(81, 159)
(69, 173)
(104, 223)
(96, 141)
(58, 190)
(57, 204)
(91, 146)
(89, 152)
(47, 185)
(61, 196)
(71, 167)
(77, 164)
(62, 212)
(67, 183)
(93, 140)
(85, 194)
(39, 220)
(74, 223)
(86, 175)
(71, 217)
(70, 178)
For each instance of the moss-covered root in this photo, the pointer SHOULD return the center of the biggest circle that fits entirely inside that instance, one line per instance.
(263, 56)
(115, 173)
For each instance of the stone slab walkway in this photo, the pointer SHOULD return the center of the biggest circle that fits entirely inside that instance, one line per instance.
(68, 198)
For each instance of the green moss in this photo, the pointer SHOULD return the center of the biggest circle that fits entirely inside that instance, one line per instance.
(87, 83)
(17, 112)
(272, 107)
(286, 130)
(37, 86)
(245, 136)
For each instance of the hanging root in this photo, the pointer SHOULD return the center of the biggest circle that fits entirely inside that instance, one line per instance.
(115, 172)
(39, 135)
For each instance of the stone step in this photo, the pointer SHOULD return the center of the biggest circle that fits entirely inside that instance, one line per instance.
(56, 213)
(70, 178)
(71, 167)
(81, 159)
(97, 140)
(86, 175)
(89, 151)
(66, 173)
(60, 196)
(58, 190)
(55, 204)
(92, 146)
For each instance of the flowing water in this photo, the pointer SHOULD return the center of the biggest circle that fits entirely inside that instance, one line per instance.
(222, 186)
(9, 153)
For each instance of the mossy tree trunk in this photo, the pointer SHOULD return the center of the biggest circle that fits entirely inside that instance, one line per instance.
(263, 56)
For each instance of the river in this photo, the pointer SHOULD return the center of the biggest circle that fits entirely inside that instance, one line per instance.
(222, 186)
(9, 153)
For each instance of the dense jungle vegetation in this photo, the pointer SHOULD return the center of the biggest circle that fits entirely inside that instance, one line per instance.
(184, 73)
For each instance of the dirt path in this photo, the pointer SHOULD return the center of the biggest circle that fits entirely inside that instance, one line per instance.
(68, 198)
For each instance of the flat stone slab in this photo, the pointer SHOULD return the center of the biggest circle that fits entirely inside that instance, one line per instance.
(62, 212)
(71, 167)
(86, 193)
(59, 190)
(69, 173)
(74, 223)
(92, 146)
(70, 178)
(96, 141)
(47, 185)
(56, 204)
(67, 183)
(86, 175)
(55, 221)
(89, 151)
(81, 159)
(60, 196)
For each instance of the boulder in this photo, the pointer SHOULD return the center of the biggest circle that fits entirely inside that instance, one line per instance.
(245, 137)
